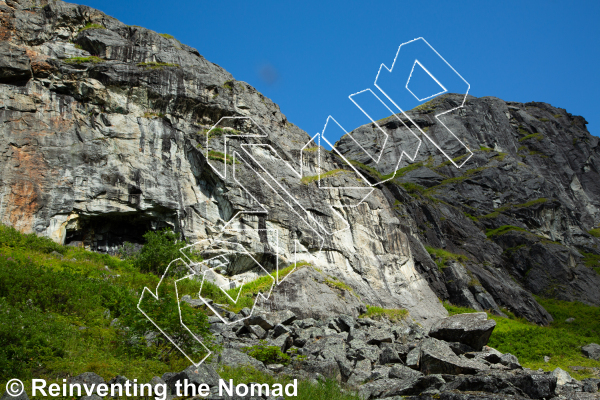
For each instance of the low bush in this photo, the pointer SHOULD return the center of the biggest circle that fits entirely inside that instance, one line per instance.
(267, 354)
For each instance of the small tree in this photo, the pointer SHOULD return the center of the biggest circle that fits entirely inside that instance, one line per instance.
(160, 249)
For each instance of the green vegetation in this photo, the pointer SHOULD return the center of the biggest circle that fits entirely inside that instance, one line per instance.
(441, 256)
(308, 179)
(219, 131)
(249, 290)
(228, 84)
(413, 189)
(392, 314)
(337, 284)
(486, 149)
(218, 156)
(500, 156)
(83, 60)
(595, 232)
(523, 131)
(156, 65)
(467, 174)
(160, 249)
(328, 389)
(267, 354)
(448, 162)
(170, 37)
(502, 230)
(153, 115)
(89, 25)
(557, 115)
(426, 107)
(537, 135)
(592, 261)
(561, 341)
(63, 300)
(508, 207)
(544, 119)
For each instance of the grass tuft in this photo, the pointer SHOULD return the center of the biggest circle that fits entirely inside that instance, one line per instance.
(392, 314)
(502, 230)
(89, 25)
(83, 60)
(442, 256)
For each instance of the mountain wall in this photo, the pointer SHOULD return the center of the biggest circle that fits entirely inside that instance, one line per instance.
(108, 132)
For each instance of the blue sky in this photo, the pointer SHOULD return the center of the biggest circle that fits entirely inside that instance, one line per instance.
(309, 56)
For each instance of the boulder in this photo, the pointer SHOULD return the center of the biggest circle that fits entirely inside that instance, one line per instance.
(389, 355)
(204, 373)
(562, 377)
(592, 351)
(474, 329)
(362, 372)
(87, 378)
(438, 358)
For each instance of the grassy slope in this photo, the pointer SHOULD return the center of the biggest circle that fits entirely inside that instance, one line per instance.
(561, 341)
(54, 318)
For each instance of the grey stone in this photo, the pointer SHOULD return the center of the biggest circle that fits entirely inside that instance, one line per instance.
(413, 358)
(562, 377)
(204, 373)
(389, 355)
(362, 372)
(14, 63)
(87, 378)
(236, 358)
(473, 330)
(592, 351)
(404, 373)
(258, 331)
(438, 358)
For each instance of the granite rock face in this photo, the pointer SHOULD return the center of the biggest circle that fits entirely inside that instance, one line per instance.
(108, 133)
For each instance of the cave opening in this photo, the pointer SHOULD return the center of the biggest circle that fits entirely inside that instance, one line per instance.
(107, 233)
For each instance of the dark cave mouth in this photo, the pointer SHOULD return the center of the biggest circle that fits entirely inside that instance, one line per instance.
(106, 233)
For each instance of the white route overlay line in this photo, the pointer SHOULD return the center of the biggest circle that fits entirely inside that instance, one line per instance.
(289, 200)
(438, 115)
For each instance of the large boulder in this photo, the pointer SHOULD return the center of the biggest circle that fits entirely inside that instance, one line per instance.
(592, 351)
(474, 329)
(438, 358)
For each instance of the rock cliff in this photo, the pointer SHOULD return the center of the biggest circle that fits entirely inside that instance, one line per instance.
(108, 131)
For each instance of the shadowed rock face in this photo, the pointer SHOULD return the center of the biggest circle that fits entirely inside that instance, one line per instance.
(98, 150)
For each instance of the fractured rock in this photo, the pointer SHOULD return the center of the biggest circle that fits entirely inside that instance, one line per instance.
(474, 329)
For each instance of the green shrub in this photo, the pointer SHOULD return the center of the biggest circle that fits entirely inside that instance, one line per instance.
(10, 237)
(267, 354)
(63, 306)
(160, 249)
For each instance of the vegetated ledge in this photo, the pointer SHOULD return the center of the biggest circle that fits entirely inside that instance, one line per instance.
(156, 65)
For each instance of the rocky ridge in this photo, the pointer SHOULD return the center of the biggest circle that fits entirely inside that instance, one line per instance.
(103, 136)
